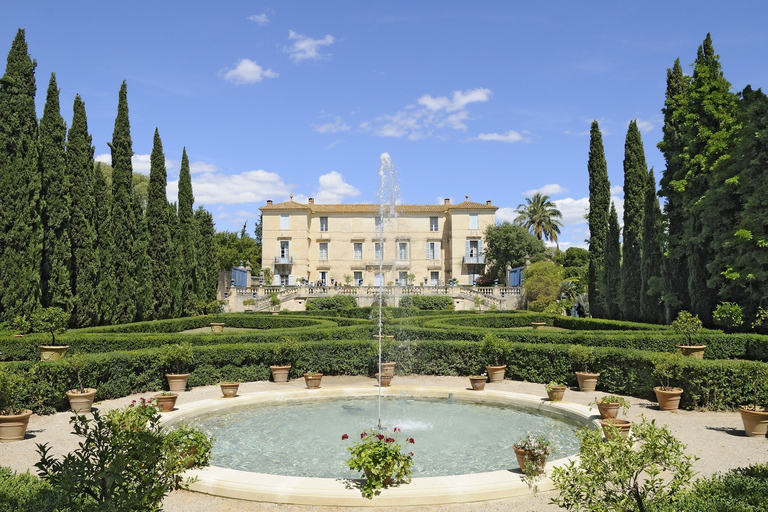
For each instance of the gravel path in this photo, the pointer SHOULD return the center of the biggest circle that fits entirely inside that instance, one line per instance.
(716, 438)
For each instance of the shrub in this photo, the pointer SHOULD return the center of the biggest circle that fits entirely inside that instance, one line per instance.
(188, 447)
(379, 456)
(52, 320)
(337, 302)
(728, 315)
(687, 325)
(738, 490)
(22, 492)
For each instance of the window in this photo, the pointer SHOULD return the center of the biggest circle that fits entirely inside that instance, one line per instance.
(433, 250)
(358, 250)
(323, 223)
(474, 251)
(324, 278)
(358, 278)
(403, 278)
(378, 250)
(323, 253)
(472, 221)
(434, 278)
(285, 221)
(284, 252)
(433, 223)
(402, 251)
(379, 224)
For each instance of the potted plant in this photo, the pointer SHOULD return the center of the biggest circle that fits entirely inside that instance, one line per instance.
(274, 302)
(52, 320)
(312, 380)
(177, 357)
(555, 391)
(381, 458)
(494, 349)
(613, 427)
(689, 326)
(478, 382)
(582, 356)
(667, 367)
(216, 307)
(479, 303)
(249, 303)
(188, 447)
(610, 405)
(80, 398)
(229, 389)
(532, 452)
(165, 400)
(284, 351)
(755, 417)
(13, 421)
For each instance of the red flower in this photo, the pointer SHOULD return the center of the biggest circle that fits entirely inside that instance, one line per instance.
(410, 453)
(397, 429)
(389, 440)
(363, 435)
(345, 436)
(380, 437)
(410, 440)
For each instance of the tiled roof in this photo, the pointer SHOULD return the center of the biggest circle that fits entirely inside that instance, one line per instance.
(374, 208)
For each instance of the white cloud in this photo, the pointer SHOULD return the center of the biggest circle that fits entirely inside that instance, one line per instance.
(104, 158)
(336, 126)
(140, 163)
(506, 214)
(201, 167)
(616, 190)
(511, 136)
(246, 187)
(548, 190)
(644, 126)
(458, 101)
(248, 72)
(260, 19)
(305, 47)
(333, 189)
(573, 210)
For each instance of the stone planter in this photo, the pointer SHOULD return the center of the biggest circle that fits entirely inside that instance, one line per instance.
(496, 373)
(538, 325)
(217, 327)
(556, 393)
(695, 351)
(587, 380)
(52, 352)
(280, 373)
(669, 398)
(312, 380)
(166, 403)
(229, 389)
(755, 420)
(478, 383)
(613, 426)
(14, 427)
(81, 402)
(177, 382)
(523, 459)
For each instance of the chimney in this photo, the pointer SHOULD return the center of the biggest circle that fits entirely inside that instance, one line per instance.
(311, 200)
(447, 201)
(269, 202)
(488, 202)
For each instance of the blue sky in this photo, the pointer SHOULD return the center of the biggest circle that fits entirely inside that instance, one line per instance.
(487, 99)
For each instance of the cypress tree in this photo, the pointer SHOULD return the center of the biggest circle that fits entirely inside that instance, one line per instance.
(207, 269)
(612, 274)
(145, 300)
(55, 207)
(21, 234)
(123, 214)
(83, 237)
(652, 286)
(107, 287)
(177, 263)
(185, 243)
(635, 184)
(599, 201)
(672, 145)
(159, 246)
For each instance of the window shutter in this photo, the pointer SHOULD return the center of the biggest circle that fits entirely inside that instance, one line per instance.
(466, 249)
(290, 280)
(427, 252)
(480, 248)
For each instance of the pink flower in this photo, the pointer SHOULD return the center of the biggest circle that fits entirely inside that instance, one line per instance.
(410, 440)
(397, 429)
(345, 436)
(363, 435)
(389, 440)
(380, 437)
(410, 454)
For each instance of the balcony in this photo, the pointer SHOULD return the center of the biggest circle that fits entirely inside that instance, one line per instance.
(283, 260)
(474, 260)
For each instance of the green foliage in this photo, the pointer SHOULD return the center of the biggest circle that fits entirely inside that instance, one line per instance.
(599, 202)
(728, 315)
(738, 490)
(542, 281)
(687, 325)
(612, 273)
(427, 302)
(613, 399)
(207, 268)
(380, 456)
(185, 292)
(333, 303)
(235, 249)
(23, 492)
(285, 350)
(616, 474)
(494, 349)
(666, 368)
(582, 356)
(159, 248)
(10, 383)
(539, 215)
(178, 357)
(52, 320)
(510, 243)
(651, 288)
(188, 447)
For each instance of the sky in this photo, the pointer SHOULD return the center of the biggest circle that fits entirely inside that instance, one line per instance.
(492, 100)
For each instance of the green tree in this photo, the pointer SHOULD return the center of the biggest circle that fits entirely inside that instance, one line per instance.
(612, 273)
(539, 215)
(107, 287)
(599, 206)
(233, 250)
(159, 247)
(651, 282)
(635, 185)
(186, 239)
(507, 243)
(542, 282)
(21, 233)
(123, 214)
(145, 298)
(83, 238)
(55, 207)
(207, 268)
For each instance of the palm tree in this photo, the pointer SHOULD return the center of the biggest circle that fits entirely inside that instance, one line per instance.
(540, 216)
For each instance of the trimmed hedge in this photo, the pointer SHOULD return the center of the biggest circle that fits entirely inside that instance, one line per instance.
(427, 302)
(23, 492)
(336, 302)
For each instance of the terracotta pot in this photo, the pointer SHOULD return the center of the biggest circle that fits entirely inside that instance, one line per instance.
(217, 326)
(229, 389)
(81, 402)
(478, 383)
(312, 380)
(619, 426)
(384, 380)
(755, 420)
(669, 399)
(177, 382)
(610, 410)
(280, 373)
(496, 373)
(524, 458)
(556, 393)
(587, 380)
(14, 427)
(388, 368)
(166, 402)
(52, 352)
(695, 351)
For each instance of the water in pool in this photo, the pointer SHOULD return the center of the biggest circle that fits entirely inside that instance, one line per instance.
(451, 437)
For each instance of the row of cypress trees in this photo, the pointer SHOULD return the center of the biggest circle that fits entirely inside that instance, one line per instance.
(72, 240)
(709, 245)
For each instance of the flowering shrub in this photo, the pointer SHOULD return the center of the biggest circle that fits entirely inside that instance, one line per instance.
(188, 447)
(381, 458)
(537, 448)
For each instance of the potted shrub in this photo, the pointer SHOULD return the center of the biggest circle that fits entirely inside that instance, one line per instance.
(613, 427)
(610, 405)
(582, 356)
(52, 320)
(494, 350)
(177, 357)
(284, 351)
(249, 303)
(80, 398)
(216, 307)
(312, 380)
(229, 389)
(274, 302)
(754, 416)
(532, 452)
(689, 326)
(13, 421)
(555, 391)
(665, 368)
(381, 458)
(478, 382)
(165, 400)
(188, 447)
